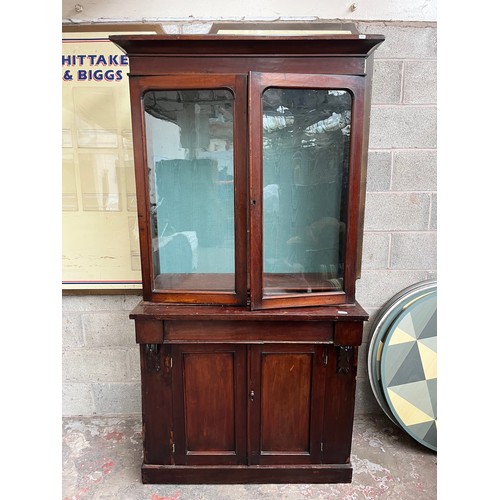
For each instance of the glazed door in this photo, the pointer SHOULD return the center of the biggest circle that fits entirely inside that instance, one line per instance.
(286, 390)
(305, 134)
(190, 160)
(209, 394)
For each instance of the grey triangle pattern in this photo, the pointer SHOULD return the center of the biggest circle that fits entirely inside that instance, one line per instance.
(416, 393)
(407, 324)
(422, 429)
(429, 330)
(422, 312)
(410, 367)
(431, 343)
(393, 355)
(432, 389)
(426, 433)
(431, 436)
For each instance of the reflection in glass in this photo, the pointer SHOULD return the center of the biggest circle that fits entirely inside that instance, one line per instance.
(190, 159)
(69, 191)
(100, 181)
(306, 153)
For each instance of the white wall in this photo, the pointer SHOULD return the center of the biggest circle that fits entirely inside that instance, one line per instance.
(158, 10)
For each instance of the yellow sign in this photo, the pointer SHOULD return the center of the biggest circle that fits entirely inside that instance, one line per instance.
(99, 219)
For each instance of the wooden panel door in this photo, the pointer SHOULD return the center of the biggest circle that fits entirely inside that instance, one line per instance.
(286, 391)
(209, 392)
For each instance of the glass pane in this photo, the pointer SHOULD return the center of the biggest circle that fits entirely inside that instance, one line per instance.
(306, 154)
(190, 157)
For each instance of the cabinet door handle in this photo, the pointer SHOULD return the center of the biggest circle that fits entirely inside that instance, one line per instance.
(252, 395)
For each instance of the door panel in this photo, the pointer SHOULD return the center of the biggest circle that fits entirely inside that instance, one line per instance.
(286, 407)
(209, 406)
(285, 399)
(209, 388)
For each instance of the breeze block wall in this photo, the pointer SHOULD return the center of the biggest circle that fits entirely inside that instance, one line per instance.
(100, 359)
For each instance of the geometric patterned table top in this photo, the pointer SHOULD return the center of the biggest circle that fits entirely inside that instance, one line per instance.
(409, 369)
(402, 361)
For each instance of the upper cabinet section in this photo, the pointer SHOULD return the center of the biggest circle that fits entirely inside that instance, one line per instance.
(250, 157)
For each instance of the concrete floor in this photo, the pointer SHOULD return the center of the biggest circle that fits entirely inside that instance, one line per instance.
(102, 459)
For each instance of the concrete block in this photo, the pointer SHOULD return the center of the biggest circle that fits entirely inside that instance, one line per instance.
(415, 170)
(72, 330)
(432, 275)
(368, 325)
(134, 363)
(108, 328)
(379, 171)
(397, 211)
(403, 127)
(420, 82)
(414, 250)
(77, 400)
(404, 42)
(375, 288)
(375, 251)
(76, 303)
(433, 217)
(365, 400)
(362, 360)
(122, 399)
(387, 82)
(94, 365)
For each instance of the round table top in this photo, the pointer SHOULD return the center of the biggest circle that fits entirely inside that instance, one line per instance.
(403, 361)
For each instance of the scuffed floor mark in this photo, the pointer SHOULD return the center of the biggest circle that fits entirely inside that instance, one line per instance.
(379, 475)
(176, 496)
(413, 473)
(81, 493)
(76, 442)
(373, 440)
(114, 435)
(98, 475)
(108, 466)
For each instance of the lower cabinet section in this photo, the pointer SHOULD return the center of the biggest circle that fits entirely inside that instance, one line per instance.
(230, 412)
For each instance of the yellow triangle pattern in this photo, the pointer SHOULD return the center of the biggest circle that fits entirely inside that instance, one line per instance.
(408, 413)
(429, 360)
(400, 337)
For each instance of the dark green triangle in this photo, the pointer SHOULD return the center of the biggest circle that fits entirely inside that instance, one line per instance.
(392, 357)
(431, 436)
(430, 329)
(432, 387)
(425, 433)
(410, 370)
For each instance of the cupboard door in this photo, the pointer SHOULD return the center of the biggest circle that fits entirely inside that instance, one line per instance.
(209, 391)
(286, 392)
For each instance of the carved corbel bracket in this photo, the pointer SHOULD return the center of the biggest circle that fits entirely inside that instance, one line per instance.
(345, 359)
(153, 363)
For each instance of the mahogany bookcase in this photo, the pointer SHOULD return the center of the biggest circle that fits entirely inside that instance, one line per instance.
(250, 156)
